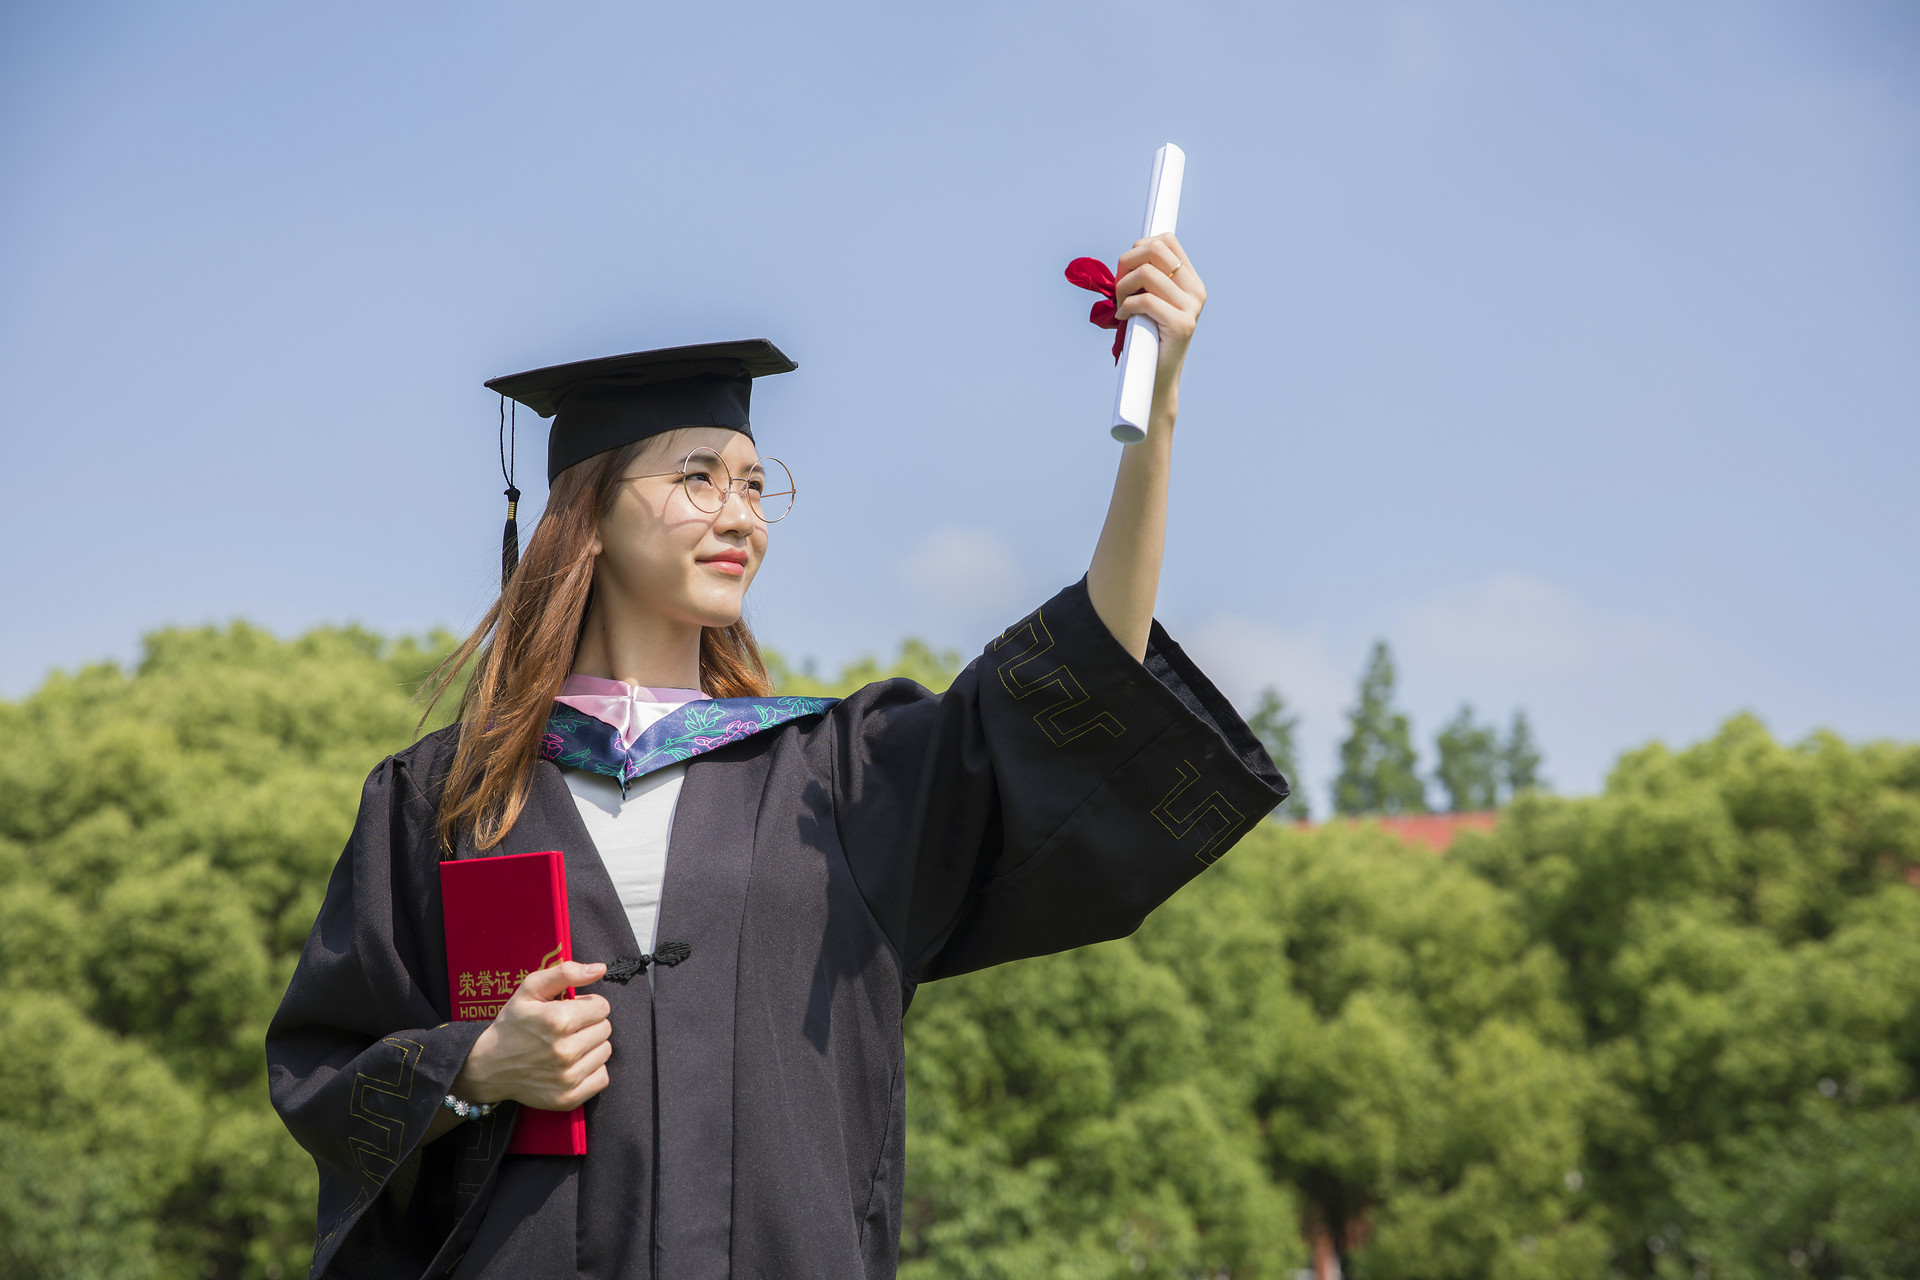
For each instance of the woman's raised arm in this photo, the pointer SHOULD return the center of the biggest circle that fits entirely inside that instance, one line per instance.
(1158, 282)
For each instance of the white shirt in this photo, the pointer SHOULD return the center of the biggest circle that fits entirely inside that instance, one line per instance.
(631, 834)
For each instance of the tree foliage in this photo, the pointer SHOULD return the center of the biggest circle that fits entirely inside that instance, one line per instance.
(1520, 757)
(165, 839)
(1469, 768)
(1477, 770)
(1672, 1030)
(1276, 730)
(166, 835)
(1742, 949)
(917, 661)
(1379, 769)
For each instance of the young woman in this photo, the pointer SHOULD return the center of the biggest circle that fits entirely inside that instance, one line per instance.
(802, 864)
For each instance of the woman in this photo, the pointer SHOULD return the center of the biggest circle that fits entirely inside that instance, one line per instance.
(745, 1107)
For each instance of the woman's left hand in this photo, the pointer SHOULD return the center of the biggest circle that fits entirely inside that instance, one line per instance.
(1158, 281)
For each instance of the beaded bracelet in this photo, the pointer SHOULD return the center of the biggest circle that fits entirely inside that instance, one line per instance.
(467, 1110)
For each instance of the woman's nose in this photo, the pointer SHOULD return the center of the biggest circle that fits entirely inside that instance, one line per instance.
(735, 511)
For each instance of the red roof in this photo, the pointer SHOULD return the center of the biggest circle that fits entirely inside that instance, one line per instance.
(1435, 831)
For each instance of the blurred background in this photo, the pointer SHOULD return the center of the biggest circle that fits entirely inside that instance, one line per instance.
(1561, 361)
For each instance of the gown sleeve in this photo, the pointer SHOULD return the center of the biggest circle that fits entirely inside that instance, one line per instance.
(360, 1054)
(1052, 797)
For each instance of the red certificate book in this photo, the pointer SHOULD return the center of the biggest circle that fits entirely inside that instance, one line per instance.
(506, 917)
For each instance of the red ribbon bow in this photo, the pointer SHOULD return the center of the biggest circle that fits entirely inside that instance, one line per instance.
(1092, 274)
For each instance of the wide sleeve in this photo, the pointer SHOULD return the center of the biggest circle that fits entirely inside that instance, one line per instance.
(360, 1053)
(1052, 797)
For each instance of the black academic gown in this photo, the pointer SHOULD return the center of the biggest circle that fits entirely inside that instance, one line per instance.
(820, 871)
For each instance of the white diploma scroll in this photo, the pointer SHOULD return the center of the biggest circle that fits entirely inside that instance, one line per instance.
(1141, 356)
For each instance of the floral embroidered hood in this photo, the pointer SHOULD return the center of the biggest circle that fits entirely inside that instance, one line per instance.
(577, 740)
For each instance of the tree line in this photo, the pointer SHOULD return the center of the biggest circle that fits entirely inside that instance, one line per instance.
(1478, 768)
(1671, 1030)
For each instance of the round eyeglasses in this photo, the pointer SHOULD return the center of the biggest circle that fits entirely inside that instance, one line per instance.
(767, 487)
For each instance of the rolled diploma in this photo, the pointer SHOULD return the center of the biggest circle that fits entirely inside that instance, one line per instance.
(1141, 355)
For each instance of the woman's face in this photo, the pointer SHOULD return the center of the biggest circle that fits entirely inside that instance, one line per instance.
(656, 552)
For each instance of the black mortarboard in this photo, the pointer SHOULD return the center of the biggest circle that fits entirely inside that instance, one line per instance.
(603, 404)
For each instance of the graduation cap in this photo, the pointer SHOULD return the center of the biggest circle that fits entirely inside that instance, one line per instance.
(603, 404)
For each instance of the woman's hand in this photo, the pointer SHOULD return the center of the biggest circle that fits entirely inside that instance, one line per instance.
(1158, 282)
(541, 1050)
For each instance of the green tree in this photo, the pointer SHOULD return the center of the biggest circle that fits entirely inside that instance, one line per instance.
(1470, 763)
(1275, 729)
(165, 839)
(1830, 1194)
(1668, 1031)
(166, 835)
(97, 1137)
(1071, 1116)
(917, 661)
(1404, 1050)
(1520, 757)
(1742, 946)
(1379, 771)
(1326, 1025)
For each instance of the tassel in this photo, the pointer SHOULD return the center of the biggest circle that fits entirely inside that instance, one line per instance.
(510, 539)
(509, 536)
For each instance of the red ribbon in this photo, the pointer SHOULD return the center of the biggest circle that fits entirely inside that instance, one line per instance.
(1092, 274)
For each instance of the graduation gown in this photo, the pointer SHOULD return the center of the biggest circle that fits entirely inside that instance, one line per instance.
(819, 871)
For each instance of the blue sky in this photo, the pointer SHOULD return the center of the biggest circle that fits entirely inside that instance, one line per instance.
(1574, 349)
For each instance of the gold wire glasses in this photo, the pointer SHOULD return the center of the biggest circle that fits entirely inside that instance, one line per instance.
(767, 487)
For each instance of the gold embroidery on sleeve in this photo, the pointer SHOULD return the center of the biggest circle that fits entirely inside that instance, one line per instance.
(344, 1217)
(476, 1158)
(377, 1162)
(1219, 814)
(1024, 674)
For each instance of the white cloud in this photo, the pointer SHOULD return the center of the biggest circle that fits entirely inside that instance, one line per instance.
(966, 574)
(1509, 640)
(1243, 656)
(1522, 628)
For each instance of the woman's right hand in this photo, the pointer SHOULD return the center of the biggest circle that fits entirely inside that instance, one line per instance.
(539, 1049)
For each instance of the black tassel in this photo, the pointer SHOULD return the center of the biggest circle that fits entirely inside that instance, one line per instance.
(626, 968)
(510, 538)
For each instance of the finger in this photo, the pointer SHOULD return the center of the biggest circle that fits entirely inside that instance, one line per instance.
(1188, 291)
(1151, 279)
(585, 1065)
(1154, 308)
(571, 1047)
(1163, 313)
(571, 1098)
(1143, 252)
(1195, 287)
(1161, 251)
(564, 1017)
(1165, 257)
(550, 983)
(1182, 272)
(1178, 267)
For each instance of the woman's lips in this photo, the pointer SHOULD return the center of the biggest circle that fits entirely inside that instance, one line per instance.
(733, 564)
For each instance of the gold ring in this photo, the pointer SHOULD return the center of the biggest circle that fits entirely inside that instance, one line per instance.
(1176, 270)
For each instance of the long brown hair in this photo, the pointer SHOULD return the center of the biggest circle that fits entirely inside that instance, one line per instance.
(527, 643)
